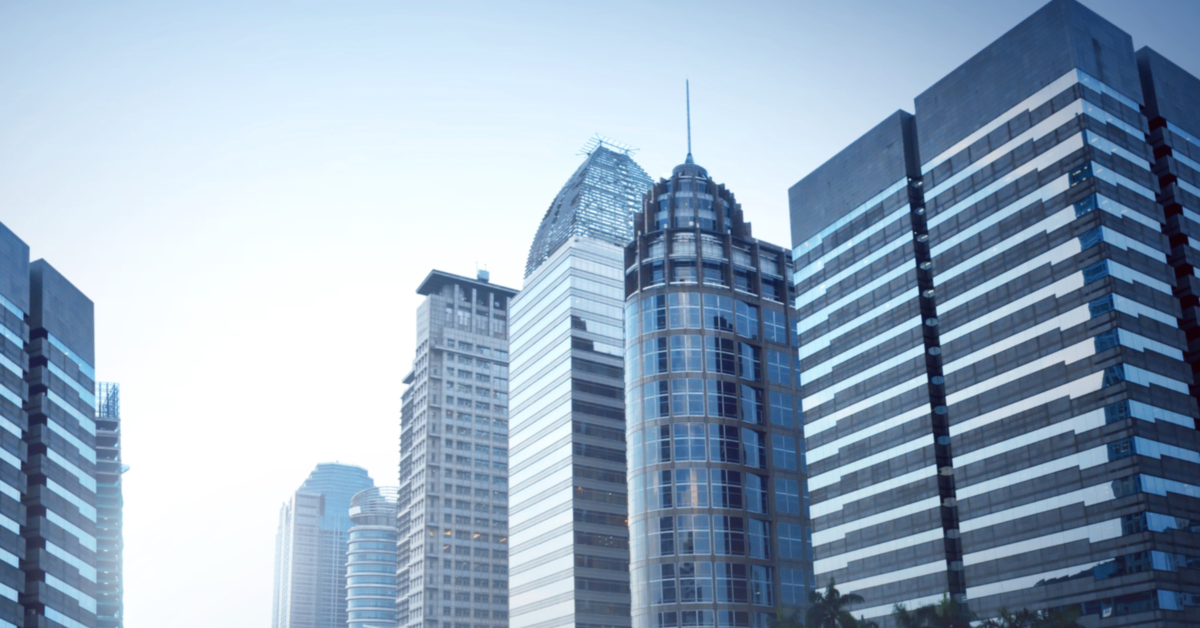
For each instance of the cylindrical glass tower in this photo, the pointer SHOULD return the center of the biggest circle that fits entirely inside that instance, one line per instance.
(719, 532)
(371, 559)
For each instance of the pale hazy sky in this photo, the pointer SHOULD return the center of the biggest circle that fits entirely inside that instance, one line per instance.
(251, 192)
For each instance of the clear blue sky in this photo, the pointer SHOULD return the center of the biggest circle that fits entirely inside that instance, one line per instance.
(251, 192)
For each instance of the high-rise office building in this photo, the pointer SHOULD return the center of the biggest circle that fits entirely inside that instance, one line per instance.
(569, 562)
(110, 584)
(60, 501)
(718, 521)
(995, 390)
(14, 299)
(1171, 94)
(453, 503)
(311, 546)
(49, 525)
(371, 559)
(598, 201)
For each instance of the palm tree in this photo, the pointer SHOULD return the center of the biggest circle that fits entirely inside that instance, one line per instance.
(785, 621)
(831, 609)
(945, 614)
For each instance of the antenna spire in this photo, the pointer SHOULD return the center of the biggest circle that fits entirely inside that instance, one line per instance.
(688, 94)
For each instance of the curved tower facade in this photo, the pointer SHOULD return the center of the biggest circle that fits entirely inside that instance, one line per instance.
(371, 559)
(718, 520)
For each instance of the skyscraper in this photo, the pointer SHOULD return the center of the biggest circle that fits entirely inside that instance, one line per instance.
(718, 521)
(569, 562)
(371, 559)
(110, 580)
(310, 559)
(598, 201)
(453, 504)
(14, 297)
(48, 482)
(995, 391)
(60, 501)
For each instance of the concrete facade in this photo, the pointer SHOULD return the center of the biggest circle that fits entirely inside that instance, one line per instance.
(452, 552)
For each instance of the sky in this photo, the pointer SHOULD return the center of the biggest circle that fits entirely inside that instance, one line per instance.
(251, 192)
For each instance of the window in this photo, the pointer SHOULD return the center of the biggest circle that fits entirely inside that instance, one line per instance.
(654, 356)
(693, 535)
(749, 362)
(779, 368)
(631, 318)
(783, 452)
(654, 313)
(657, 403)
(687, 398)
(689, 441)
(655, 271)
(747, 320)
(743, 280)
(775, 327)
(683, 244)
(658, 444)
(662, 536)
(685, 353)
(781, 409)
(791, 541)
(772, 289)
(752, 406)
(792, 589)
(726, 489)
(633, 362)
(662, 584)
(718, 312)
(684, 309)
(754, 449)
(659, 492)
(760, 539)
(714, 273)
(683, 272)
(729, 536)
(718, 355)
(691, 488)
(787, 496)
(697, 619)
(760, 586)
(711, 248)
(724, 445)
(695, 582)
(722, 399)
(732, 585)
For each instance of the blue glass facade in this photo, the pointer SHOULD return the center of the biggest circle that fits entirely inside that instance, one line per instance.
(371, 559)
(14, 299)
(312, 542)
(996, 388)
(597, 202)
(718, 519)
(61, 503)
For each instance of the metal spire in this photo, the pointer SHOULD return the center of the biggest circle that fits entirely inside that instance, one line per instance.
(688, 94)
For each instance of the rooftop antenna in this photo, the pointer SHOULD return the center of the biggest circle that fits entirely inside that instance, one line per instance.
(688, 94)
